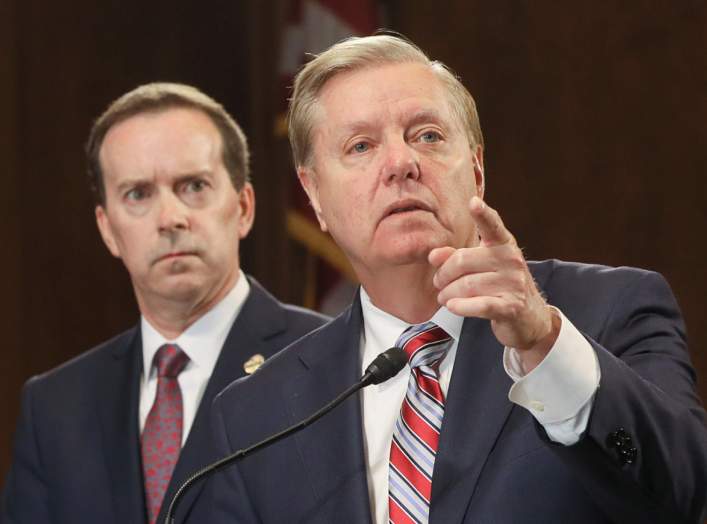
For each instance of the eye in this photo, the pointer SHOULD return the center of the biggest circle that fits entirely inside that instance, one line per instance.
(196, 185)
(360, 147)
(136, 194)
(430, 137)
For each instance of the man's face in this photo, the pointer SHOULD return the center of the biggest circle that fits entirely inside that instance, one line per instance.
(172, 214)
(392, 171)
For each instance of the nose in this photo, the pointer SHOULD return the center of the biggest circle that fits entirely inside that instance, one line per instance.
(172, 214)
(401, 162)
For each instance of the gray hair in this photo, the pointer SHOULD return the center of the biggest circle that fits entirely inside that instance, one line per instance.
(358, 53)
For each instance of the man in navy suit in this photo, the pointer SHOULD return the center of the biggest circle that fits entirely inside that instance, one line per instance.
(560, 392)
(99, 438)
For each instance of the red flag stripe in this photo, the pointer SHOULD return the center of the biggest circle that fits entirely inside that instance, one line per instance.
(360, 16)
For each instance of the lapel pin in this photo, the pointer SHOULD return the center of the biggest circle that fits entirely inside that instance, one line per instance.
(251, 365)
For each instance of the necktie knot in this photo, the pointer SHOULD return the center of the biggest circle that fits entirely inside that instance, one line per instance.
(170, 361)
(425, 344)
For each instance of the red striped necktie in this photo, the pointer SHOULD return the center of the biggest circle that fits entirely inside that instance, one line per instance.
(162, 436)
(416, 433)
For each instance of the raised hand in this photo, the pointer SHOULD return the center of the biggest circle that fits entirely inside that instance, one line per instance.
(492, 281)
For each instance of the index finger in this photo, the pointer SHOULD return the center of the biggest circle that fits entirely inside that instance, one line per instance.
(489, 223)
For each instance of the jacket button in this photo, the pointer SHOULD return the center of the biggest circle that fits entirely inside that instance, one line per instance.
(627, 456)
(621, 441)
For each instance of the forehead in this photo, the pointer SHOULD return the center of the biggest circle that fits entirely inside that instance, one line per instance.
(174, 139)
(163, 126)
(381, 94)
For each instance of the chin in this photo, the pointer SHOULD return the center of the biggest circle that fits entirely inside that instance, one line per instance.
(182, 288)
(402, 253)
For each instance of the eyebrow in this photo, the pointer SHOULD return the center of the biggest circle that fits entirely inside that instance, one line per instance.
(426, 116)
(355, 127)
(178, 179)
(131, 182)
(194, 174)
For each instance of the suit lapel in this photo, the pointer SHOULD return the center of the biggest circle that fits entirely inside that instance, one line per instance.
(260, 318)
(117, 401)
(332, 448)
(476, 409)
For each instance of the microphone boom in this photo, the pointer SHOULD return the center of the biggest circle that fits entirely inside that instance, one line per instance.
(384, 367)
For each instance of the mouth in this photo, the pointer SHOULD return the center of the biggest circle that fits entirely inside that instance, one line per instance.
(406, 206)
(175, 254)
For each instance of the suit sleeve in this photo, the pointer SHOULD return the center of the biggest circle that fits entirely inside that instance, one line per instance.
(25, 496)
(643, 456)
(226, 495)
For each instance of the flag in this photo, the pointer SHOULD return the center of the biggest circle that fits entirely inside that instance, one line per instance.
(311, 27)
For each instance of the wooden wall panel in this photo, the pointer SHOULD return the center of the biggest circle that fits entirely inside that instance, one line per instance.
(11, 376)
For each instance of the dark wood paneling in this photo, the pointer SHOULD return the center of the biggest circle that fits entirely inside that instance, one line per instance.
(11, 375)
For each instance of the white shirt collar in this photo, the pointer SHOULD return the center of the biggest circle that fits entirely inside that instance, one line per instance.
(383, 329)
(202, 341)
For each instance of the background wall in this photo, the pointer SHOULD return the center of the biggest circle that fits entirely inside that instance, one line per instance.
(594, 121)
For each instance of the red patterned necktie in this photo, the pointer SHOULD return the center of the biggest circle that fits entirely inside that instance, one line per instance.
(416, 433)
(162, 436)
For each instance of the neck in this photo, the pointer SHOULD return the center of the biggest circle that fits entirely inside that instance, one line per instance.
(171, 316)
(405, 292)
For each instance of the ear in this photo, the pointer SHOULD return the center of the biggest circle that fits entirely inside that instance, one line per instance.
(246, 209)
(106, 231)
(308, 179)
(479, 170)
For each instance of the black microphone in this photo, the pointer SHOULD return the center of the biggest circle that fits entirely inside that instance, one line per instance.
(384, 366)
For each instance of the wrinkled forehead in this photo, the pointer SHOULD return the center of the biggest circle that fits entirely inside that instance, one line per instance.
(376, 95)
(172, 140)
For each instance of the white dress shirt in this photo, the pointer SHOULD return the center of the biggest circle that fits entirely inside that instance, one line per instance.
(202, 342)
(559, 392)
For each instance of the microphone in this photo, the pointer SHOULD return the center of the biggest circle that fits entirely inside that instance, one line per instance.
(385, 366)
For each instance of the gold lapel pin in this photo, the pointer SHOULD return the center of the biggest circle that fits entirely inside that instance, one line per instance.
(251, 365)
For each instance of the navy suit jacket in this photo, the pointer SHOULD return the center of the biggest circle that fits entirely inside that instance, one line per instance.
(494, 464)
(77, 453)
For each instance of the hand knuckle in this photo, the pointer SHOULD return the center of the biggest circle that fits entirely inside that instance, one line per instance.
(517, 257)
(463, 258)
(518, 280)
(468, 282)
(513, 308)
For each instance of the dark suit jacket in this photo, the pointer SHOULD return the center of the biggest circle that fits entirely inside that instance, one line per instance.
(495, 463)
(77, 454)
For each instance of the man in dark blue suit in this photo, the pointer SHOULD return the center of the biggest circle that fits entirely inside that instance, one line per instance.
(99, 438)
(551, 392)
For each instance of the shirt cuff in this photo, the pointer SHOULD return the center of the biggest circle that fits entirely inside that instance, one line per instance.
(562, 386)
